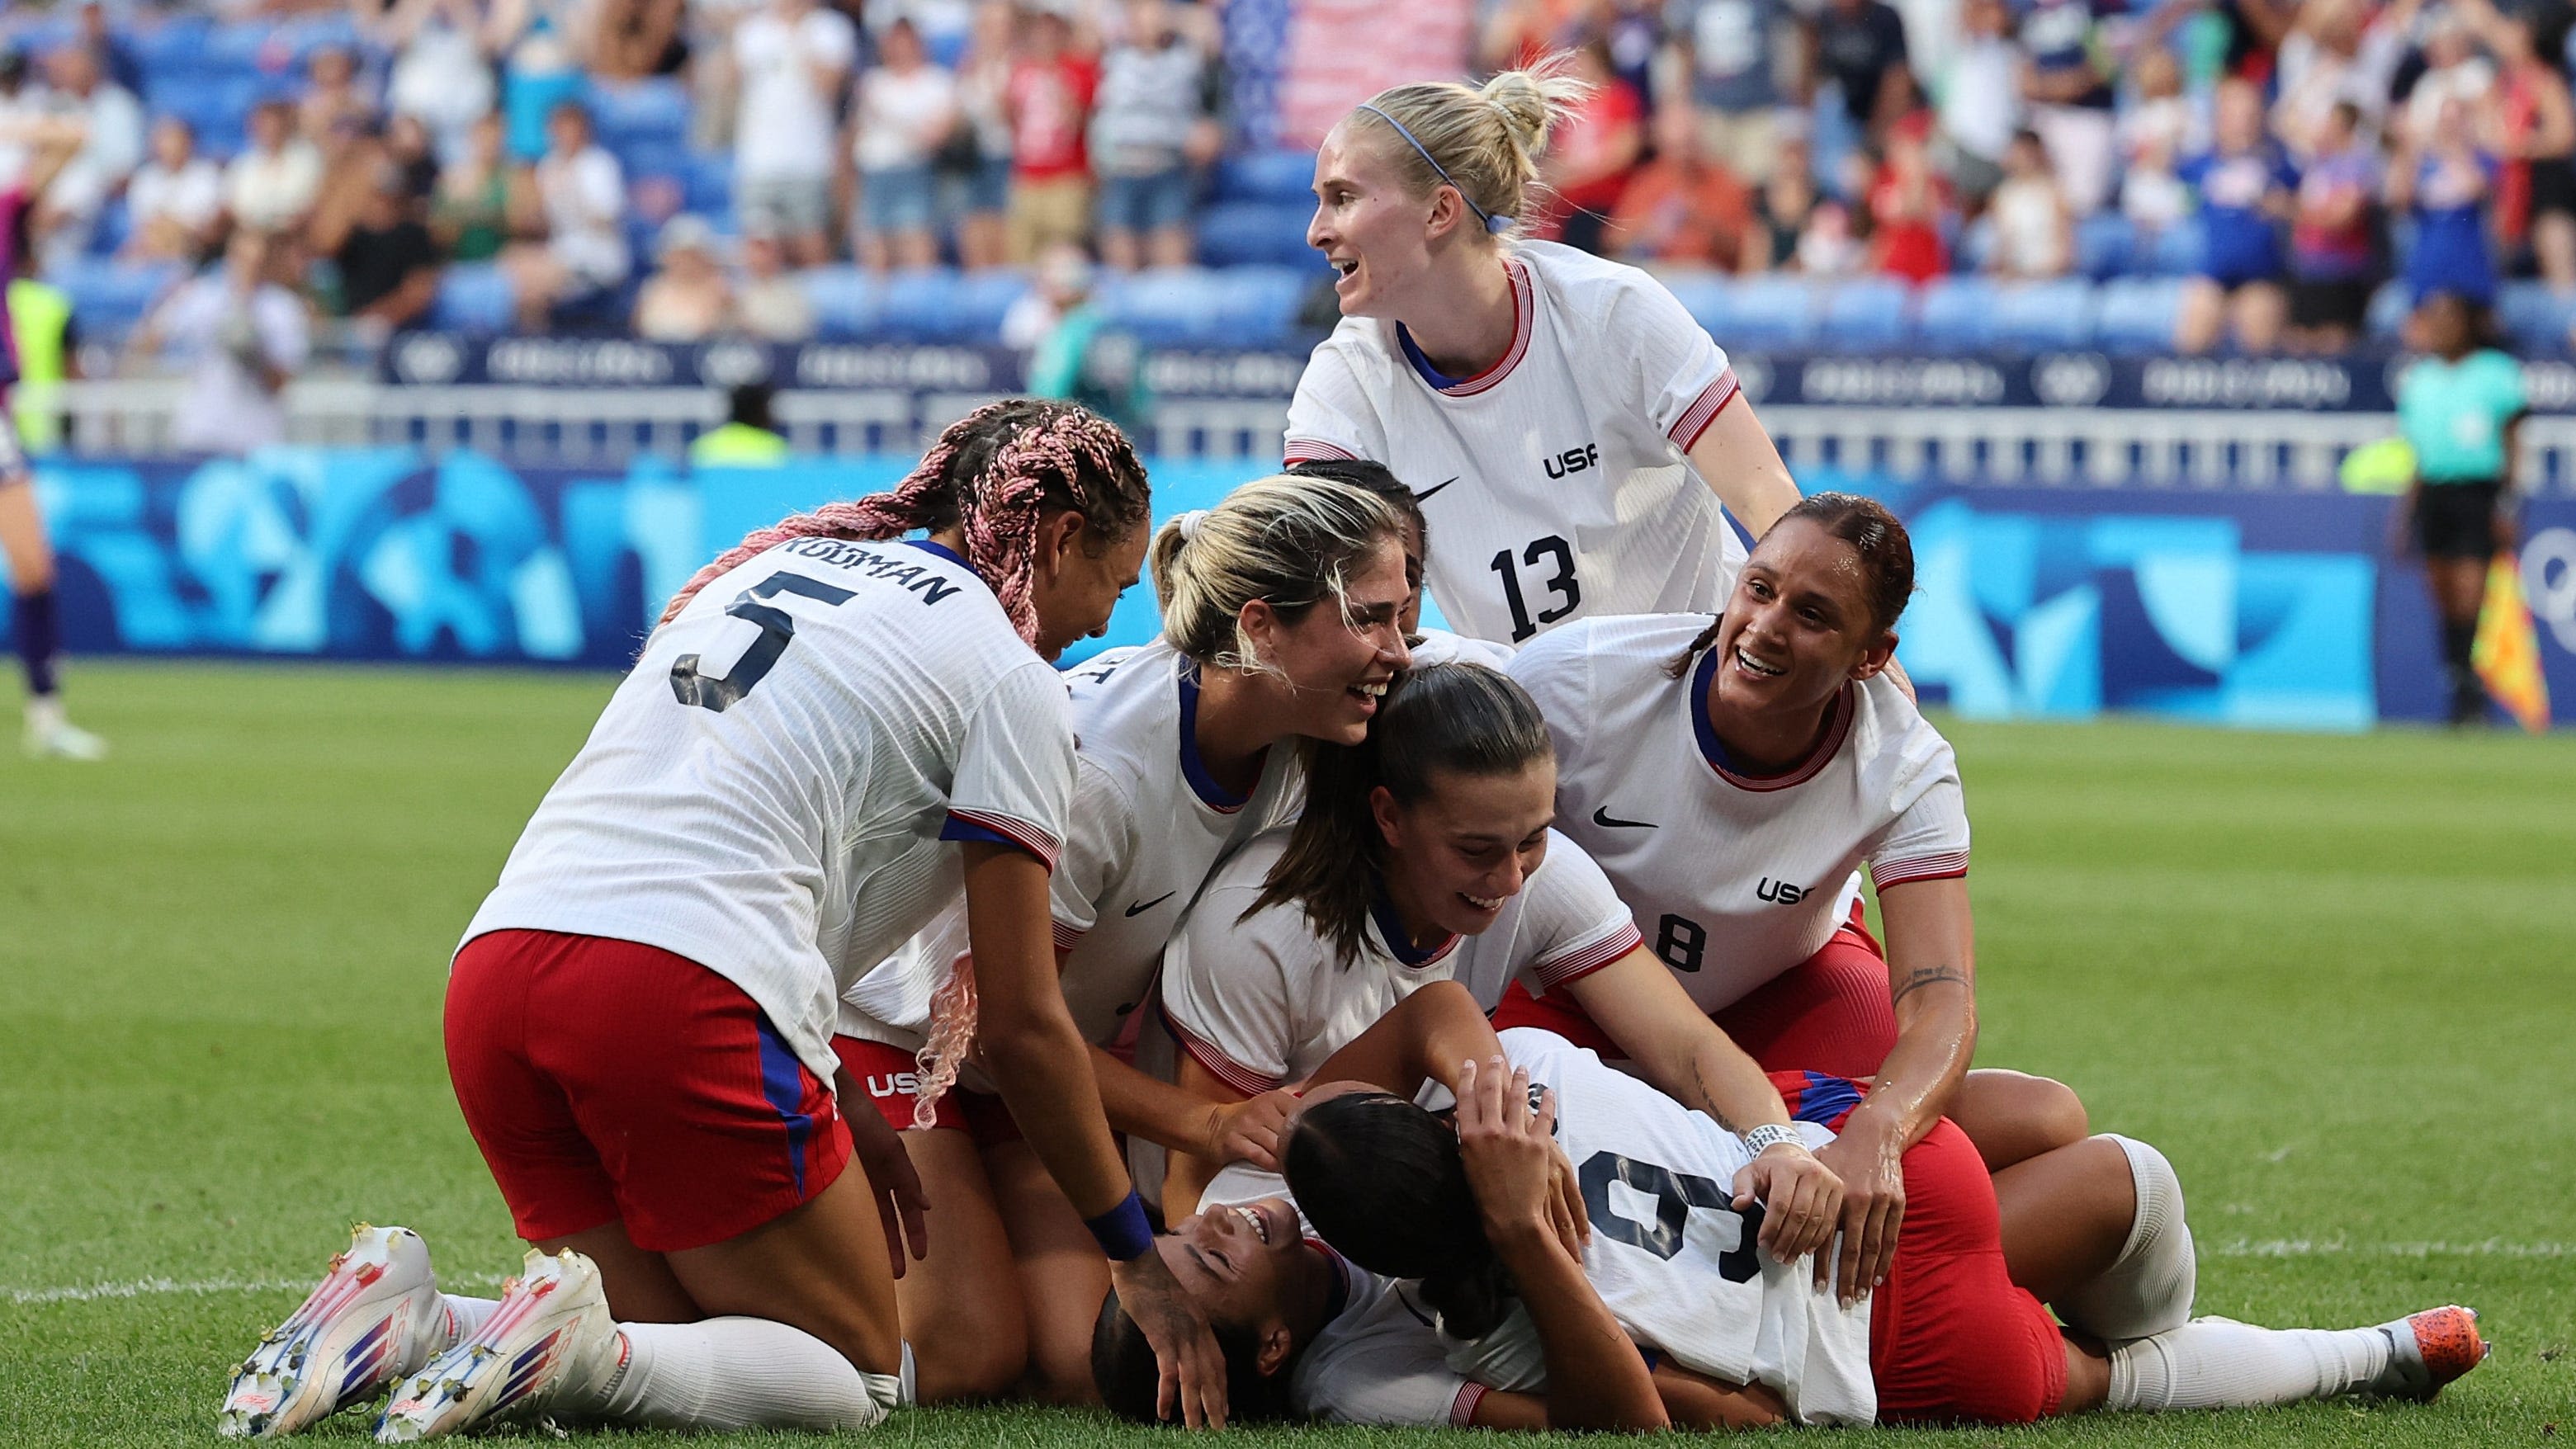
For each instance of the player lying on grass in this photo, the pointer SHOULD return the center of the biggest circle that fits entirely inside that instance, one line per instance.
(639, 1021)
(1660, 1306)
(1280, 611)
(1729, 775)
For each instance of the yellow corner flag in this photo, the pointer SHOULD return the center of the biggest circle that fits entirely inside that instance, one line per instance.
(2507, 654)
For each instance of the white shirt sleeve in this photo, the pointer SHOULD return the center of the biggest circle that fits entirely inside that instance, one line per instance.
(1396, 1382)
(1015, 776)
(601, 186)
(1102, 840)
(1575, 922)
(829, 39)
(1230, 993)
(283, 334)
(1681, 378)
(1928, 839)
(1556, 670)
(1332, 415)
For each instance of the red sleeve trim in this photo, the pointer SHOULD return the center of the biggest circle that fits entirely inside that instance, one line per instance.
(1066, 937)
(1018, 832)
(1949, 865)
(1224, 1068)
(1702, 412)
(1572, 968)
(1462, 1410)
(1307, 450)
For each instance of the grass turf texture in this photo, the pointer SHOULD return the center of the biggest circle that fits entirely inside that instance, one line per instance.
(2327, 975)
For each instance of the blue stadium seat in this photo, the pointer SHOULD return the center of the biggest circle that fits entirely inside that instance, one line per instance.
(178, 42)
(710, 178)
(474, 297)
(2105, 245)
(1769, 312)
(639, 112)
(1259, 306)
(2048, 314)
(108, 298)
(939, 304)
(643, 160)
(1705, 295)
(1268, 176)
(1866, 313)
(1956, 314)
(847, 302)
(2386, 320)
(1242, 233)
(1167, 307)
(2535, 317)
(115, 223)
(2173, 252)
(2137, 314)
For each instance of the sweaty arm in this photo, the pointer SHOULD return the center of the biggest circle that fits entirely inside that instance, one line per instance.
(1931, 973)
(1743, 467)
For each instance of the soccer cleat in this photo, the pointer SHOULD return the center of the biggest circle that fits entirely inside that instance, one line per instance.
(2430, 1349)
(51, 737)
(376, 1313)
(552, 1331)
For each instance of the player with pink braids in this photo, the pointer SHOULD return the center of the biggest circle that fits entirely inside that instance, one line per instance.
(830, 735)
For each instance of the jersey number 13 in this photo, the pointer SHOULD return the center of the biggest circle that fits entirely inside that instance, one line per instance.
(1561, 583)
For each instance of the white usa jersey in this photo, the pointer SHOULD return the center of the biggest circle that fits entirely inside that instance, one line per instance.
(1556, 482)
(1734, 878)
(769, 791)
(1148, 824)
(1678, 1267)
(1439, 646)
(1261, 1003)
(1378, 1358)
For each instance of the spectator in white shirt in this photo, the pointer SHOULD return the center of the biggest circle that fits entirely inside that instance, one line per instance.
(111, 147)
(176, 200)
(271, 184)
(582, 193)
(793, 59)
(440, 72)
(244, 337)
(906, 108)
(1153, 125)
(1981, 99)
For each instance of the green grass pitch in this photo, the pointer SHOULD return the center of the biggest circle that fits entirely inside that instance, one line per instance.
(2330, 976)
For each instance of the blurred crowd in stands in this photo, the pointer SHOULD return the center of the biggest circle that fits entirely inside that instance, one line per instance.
(687, 169)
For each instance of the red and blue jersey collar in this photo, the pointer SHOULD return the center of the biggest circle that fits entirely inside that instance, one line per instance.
(1713, 750)
(1193, 769)
(1524, 314)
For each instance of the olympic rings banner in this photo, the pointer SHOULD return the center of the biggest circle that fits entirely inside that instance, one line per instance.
(2272, 610)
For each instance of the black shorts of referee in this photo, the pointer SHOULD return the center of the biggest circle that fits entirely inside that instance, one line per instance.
(2457, 518)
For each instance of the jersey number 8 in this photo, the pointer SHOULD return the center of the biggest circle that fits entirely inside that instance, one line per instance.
(1675, 1194)
(777, 630)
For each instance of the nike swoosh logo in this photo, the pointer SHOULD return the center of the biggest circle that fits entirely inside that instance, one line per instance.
(1434, 488)
(1142, 907)
(1602, 817)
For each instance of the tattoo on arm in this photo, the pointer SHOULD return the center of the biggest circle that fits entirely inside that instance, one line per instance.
(1928, 976)
(1708, 1097)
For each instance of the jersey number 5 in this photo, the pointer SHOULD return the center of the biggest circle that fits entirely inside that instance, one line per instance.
(1675, 1194)
(777, 629)
(1563, 584)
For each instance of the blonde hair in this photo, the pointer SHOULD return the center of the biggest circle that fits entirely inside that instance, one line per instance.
(1287, 540)
(1487, 139)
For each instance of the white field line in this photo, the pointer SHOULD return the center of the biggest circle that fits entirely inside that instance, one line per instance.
(199, 1287)
(2239, 1248)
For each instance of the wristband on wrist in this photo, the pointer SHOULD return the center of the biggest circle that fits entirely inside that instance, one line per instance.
(1772, 1134)
(1123, 1232)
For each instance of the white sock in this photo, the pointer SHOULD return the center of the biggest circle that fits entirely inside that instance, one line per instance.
(2147, 1290)
(2215, 1363)
(464, 1317)
(737, 1373)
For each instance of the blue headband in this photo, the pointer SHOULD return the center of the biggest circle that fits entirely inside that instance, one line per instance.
(1493, 223)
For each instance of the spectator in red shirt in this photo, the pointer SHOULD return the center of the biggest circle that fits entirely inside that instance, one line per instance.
(1906, 204)
(1589, 161)
(1049, 105)
(1679, 207)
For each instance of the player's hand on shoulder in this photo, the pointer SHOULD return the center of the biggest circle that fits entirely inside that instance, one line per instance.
(1802, 1200)
(1251, 1130)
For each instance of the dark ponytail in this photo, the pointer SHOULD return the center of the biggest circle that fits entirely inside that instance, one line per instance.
(1382, 1182)
(1463, 718)
(1129, 1378)
(1886, 561)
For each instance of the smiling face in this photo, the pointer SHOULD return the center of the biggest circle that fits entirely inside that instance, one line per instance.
(1458, 854)
(1238, 1264)
(1370, 224)
(1798, 624)
(1078, 579)
(1336, 660)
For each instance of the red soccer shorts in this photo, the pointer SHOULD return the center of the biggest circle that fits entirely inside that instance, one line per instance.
(608, 1081)
(1829, 1013)
(1950, 1338)
(891, 1078)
